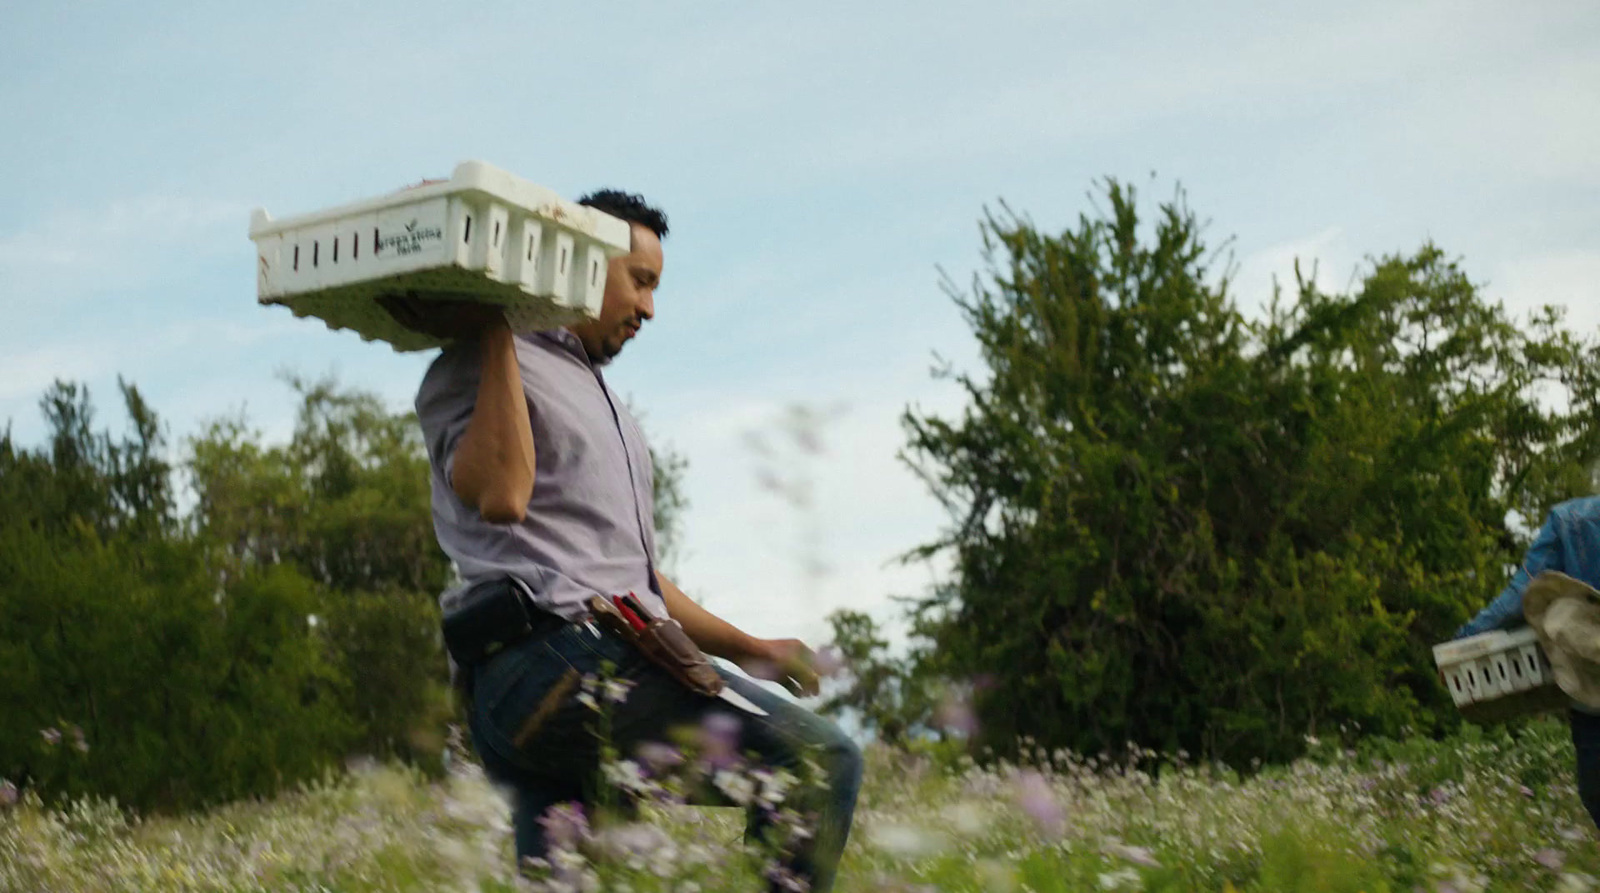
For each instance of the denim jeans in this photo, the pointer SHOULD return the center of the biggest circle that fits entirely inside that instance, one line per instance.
(1586, 743)
(527, 692)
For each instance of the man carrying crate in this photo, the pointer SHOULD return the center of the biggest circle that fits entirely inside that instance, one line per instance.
(1569, 542)
(542, 488)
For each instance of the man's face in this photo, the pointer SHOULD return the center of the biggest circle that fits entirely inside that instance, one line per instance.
(631, 282)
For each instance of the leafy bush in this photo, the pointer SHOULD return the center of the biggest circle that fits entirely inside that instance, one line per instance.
(388, 647)
(1179, 527)
(132, 675)
(287, 621)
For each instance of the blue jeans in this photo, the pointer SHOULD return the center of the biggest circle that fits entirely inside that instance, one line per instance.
(1586, 742)
(527, 692)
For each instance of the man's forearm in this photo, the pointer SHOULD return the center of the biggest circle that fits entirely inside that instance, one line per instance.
(1545, 554)
(493, 470)
(714, 635)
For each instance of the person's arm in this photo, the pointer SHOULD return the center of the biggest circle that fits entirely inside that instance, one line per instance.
(1506, 609)
(493, 465)
(786, 661)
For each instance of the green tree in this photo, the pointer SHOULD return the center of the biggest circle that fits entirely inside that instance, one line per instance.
(889, 695)
(671, 503)
(288, 620)
(129, 671)
(1179, 527)
(344, 503)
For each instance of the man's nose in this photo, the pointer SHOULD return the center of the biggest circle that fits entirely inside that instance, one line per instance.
(647, 303)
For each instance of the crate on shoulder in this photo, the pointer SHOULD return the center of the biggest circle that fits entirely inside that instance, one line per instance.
(482, 235)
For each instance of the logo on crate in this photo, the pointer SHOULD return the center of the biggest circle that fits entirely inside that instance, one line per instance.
(412, 240)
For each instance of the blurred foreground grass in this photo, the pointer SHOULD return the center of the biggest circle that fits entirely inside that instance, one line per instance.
(1478, 812)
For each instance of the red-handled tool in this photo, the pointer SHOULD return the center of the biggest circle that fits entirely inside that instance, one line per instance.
(634, 620)
(633, 602)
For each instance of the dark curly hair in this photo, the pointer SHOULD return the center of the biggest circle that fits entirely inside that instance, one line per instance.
(628, 206)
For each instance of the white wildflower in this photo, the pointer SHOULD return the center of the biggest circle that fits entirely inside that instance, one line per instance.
(905, 840)
(1122, 878)
(775, 786)
(735, 785)
(627, 776)
(616, 690)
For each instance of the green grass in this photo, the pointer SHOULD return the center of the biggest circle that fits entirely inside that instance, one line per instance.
(1474, 813)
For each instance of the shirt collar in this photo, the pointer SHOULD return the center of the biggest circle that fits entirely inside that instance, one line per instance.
(571, 342)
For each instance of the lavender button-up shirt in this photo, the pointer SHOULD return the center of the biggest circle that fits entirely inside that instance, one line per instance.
(590, 524)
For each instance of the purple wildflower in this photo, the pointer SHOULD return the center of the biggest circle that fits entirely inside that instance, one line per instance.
(1035, 798)
(52, 736)
(8, 793)
(659, 757)
(784, 879)
(955, 714)
(1552, 859)
(719, 740)
(565, 826)
(1138, 855)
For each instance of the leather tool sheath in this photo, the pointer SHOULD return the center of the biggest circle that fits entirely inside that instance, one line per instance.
(664, 643)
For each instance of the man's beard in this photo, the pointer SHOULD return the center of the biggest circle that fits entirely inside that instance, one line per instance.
(609, 348)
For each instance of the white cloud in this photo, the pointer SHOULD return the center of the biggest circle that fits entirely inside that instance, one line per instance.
(25, 374)
(98, 357)
(1568, 278)
(1325, 258)
(743, 542)
(1259, 65)
(50, 265)
(1535, 123)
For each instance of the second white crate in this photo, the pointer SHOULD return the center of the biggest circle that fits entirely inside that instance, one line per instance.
(1494, 665)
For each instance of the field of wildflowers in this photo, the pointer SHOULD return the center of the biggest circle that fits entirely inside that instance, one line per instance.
(1478, 812)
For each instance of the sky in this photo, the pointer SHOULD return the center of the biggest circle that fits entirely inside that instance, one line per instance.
(822, 165)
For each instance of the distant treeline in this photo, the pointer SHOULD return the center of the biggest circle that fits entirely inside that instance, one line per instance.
(285, 621)
(1181, 527)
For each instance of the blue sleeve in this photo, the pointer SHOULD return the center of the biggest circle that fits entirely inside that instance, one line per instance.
(1506, 609)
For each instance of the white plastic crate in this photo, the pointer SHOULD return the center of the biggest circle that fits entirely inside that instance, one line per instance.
(482, 235)
(1498, 674)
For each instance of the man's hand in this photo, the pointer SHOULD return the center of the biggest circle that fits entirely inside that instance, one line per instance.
(446, 320)
(785, 661)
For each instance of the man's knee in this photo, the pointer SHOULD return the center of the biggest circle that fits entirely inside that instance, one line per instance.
(843, 758)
